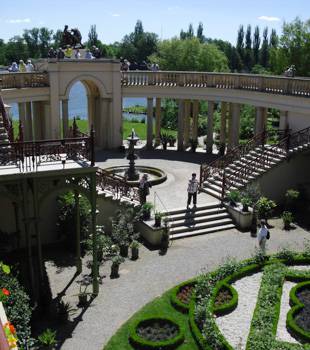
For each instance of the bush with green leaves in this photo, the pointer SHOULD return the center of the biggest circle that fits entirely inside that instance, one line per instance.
(17, 304)
(47, 338)
(234, 197)
(246, 201)
(104, 244)
(265, 207)
(291, 198)
(66, 222)
(287, 218)
(123, 227)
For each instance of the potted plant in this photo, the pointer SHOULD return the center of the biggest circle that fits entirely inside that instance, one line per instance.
(134, 250)
(146, 211)
(172, 140)
(165, 238)
(47, 339)
(287, 218)
(63, 311)
(83, 295)
(116, 261)
(164, 140)
(246, 201)
(158, 217)
(194, 144)
(233, 197)
(265, 207)
(291, 197)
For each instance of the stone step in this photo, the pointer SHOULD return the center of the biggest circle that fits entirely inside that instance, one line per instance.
(218, 183)
(193, 220)
(196, 213)
(212, 193)
(202, 231)
(199, 226)
(197, 209)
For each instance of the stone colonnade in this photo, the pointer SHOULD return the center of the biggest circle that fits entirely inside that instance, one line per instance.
(187, 124)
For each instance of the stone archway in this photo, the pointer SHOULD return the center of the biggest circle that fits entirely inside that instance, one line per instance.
(99, 109)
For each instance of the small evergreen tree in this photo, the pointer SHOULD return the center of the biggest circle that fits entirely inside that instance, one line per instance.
(248, 58)
(92, 36)
(256, 45)
(264, 54)
(240, 42)
(200, 35)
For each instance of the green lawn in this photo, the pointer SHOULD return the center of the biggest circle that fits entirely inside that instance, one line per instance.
(162, 307)
(140, 128)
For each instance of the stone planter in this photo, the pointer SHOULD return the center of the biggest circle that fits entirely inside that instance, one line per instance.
(242, 219)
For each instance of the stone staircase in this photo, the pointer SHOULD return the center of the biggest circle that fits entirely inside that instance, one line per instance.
(247, 167)
(212, 217)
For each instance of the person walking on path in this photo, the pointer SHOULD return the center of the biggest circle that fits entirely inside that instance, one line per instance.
(192, 190)
(144, 188)
(263, 235)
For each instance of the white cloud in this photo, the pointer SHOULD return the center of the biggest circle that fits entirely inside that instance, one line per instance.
(269, 18)
(21, 20)
(116, 15)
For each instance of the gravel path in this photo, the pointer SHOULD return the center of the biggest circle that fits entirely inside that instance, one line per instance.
(150, 276)
(236, 325)
(282, 333)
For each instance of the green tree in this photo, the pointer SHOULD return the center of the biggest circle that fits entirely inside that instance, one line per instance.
(264, 54)
(295, 46)
(57, 38)
(236, 61)
(200, 35)
(240, 42)
(92, 36)
(256, 45)
(248, 58)
(274, 40)
(16, 50)
(45, 40)
(138, 45)
(31, 37)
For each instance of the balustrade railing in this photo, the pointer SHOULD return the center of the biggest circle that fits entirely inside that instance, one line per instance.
(262, 83)
(29, 155)
(23, 80)
(266, 157)
(116, 185)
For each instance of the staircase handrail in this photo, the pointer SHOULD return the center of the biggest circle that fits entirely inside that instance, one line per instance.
(217, 166)
(283, 147)
(157, 196)
(117, 185)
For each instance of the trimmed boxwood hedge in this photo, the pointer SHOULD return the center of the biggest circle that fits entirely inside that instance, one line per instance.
(291, 324)
(144, 344)
(228, 307)
(175, 301)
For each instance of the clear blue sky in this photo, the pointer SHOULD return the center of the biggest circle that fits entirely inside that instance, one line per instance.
(114, 19)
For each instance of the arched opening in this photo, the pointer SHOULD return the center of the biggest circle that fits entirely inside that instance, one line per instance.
(78, 106)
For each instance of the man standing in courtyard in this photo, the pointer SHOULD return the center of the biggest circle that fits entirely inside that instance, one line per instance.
(192, 190)
(263, 235)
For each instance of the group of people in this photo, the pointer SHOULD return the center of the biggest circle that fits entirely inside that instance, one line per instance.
(21, 67)
(69, 52)
(126, 66)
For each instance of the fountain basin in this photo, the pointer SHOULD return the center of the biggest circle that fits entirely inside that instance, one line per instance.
(155, 176)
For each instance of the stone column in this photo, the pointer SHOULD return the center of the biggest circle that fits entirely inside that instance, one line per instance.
(149, 137)
(195, 119)
(187, 113)
(223, 128)
(54, 102)
(116, 110)
(260, 120)
(38, 120)
(283, 120)
(234, 125)
(158, 121)
(181, 126)
(22, 112)
(210, 127)
(90, 110)
(47, 119)
(103, 135)
(28, 134)
(78, 232)
(65, 118)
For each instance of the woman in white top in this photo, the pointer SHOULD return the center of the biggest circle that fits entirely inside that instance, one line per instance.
(262, 235)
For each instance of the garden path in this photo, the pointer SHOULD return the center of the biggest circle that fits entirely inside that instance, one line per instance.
(151, 275)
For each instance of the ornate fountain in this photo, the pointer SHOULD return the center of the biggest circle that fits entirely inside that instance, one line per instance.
(131, 173)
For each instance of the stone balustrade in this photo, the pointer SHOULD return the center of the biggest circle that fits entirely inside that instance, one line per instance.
(23, 80)
(260, 83)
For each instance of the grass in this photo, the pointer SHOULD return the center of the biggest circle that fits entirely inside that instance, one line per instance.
(162, 307)
(140, 128)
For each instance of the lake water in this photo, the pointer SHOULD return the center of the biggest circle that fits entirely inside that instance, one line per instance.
(78, 104)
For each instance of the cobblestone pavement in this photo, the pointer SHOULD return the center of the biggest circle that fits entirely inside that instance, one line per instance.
(151, 275)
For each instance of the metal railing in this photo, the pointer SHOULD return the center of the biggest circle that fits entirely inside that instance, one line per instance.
(261, 83)
(29, 155)
(117, 186)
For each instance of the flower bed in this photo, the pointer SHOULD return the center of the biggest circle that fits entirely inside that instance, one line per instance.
(182, 294)
(156, 333)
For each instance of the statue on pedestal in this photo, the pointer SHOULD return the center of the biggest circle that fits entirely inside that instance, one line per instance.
(71, 37)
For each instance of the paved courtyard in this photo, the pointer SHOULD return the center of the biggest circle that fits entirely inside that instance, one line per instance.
(177, 165)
